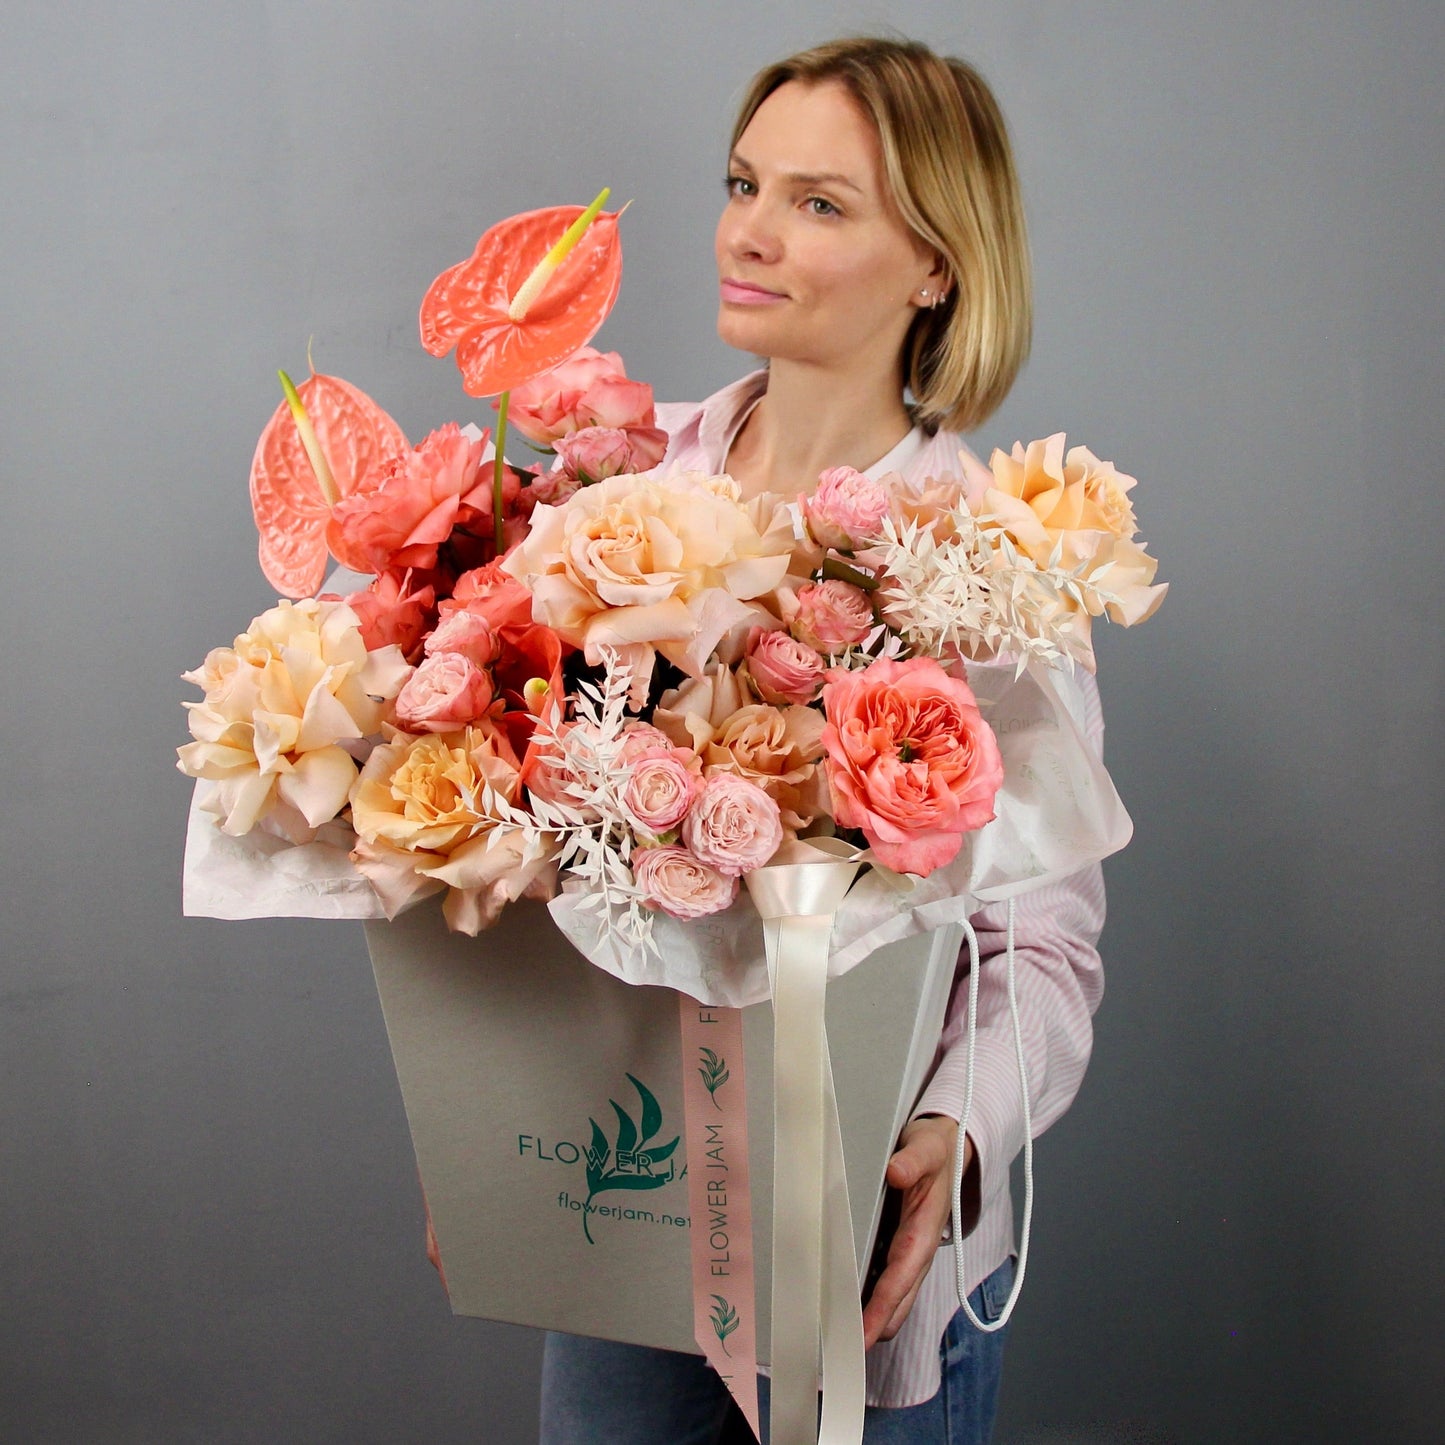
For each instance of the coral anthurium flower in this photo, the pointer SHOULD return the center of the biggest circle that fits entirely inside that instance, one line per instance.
(471, 305)
(356, 438)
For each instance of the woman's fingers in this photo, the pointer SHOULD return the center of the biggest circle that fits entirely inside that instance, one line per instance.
(920, 1171)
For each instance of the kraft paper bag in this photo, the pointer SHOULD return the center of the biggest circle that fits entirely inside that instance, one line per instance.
(516, 1056)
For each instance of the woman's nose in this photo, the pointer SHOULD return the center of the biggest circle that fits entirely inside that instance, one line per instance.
(751, 233)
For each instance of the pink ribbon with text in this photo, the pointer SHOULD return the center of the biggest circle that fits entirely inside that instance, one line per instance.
(724, 1318)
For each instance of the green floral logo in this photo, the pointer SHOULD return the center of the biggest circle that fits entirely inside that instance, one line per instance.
(724, 1321)
(632, 1161)
(714, 1071)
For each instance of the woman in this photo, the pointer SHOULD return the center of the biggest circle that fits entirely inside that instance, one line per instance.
(873, 240)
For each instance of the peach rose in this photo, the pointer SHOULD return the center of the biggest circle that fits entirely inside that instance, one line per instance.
(659, 791)
(778, 750)
(782, 669)
(642, 563)
(733, 825)
(910, 761)
(589, 389)
(672, 880)
(445, 693)
(1080, 505)
(832, 615)
(281, 706)
(845, 509)
(420, 813)
(932, 503)
(413, 507)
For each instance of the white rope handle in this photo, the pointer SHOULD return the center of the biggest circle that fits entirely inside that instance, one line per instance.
(1013, 1004)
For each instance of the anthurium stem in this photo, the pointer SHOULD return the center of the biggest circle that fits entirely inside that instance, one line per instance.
(499, 468)
(307, 433)
(534, 285)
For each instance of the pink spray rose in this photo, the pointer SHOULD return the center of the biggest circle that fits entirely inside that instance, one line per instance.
(660, 791)
(845, 508)
(589, 389)
(445, 693)
(597, 452)
(414, 506)
(832, 615)
(640, 737)
(782, 669)
(467, 632)
(910, 761)
(674, 881)
(733, 825)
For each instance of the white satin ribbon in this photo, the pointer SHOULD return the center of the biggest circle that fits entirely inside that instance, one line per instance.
(815, 1289)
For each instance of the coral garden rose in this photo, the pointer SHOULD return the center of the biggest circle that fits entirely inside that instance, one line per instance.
(675, 882)
(733, 825)
(421, 816)
(497, 598)
(1079, 505)
(782, 669)
(413, 507)
(910, 761)
(281, 706)
(832, 615)
(391, 614)
(445, 693)
(589, 389)
(845, 508)
(659, 791)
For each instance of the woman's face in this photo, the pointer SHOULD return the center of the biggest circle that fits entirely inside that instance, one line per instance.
(814, 262)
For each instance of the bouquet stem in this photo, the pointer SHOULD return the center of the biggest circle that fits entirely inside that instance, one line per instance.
(499, 464)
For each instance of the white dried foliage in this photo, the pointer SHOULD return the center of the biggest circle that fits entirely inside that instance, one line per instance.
(591, 833)
(977, 595)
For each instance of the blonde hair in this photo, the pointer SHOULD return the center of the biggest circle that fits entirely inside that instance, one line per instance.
(949, 164)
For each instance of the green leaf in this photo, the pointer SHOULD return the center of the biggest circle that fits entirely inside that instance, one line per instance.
(651, 1110)
(663, 1151)
(626, 1129)
(597, 1157)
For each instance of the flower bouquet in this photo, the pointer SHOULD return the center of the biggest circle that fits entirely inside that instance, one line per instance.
(628, 690)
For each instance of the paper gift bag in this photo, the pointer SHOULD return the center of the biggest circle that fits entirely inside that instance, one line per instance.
(516, 1057)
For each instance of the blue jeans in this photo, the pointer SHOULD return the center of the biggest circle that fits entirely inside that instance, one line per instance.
(599, 1392)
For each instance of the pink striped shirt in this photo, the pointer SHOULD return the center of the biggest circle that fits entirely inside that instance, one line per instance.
(1059, 978)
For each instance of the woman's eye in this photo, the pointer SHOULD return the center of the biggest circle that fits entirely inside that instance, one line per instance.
(738, 186)
(819, 207)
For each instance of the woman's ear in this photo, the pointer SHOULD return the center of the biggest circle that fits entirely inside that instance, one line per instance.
(936, 285)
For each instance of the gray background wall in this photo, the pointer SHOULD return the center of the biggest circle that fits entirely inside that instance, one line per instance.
(209, 1223)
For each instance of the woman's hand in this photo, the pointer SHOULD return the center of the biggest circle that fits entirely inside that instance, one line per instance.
(922, 1171)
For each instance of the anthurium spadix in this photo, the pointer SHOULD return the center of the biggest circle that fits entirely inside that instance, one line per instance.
(325, 441)
(537, 287)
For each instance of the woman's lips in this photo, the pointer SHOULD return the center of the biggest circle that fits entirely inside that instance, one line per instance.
(740, 293)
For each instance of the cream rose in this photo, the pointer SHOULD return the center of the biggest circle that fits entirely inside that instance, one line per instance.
(282, 705)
